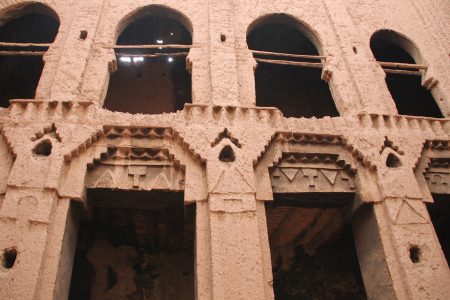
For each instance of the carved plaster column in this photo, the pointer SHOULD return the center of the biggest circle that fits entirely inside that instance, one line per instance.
(240, 261)
(398, 251)
(77, 49)
(358, 70)
(36, 224)
(222, 65)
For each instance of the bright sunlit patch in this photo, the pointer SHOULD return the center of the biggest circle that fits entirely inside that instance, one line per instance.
(170, 59)
(159, 41)
(138, 59)
(125, 59)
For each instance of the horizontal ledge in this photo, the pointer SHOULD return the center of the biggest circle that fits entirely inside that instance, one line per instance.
(288, 54)
(152, 55)
(25, 45)
(404, 72)
(402, 65)
(22, 53)
(169, 46)
(290, 63)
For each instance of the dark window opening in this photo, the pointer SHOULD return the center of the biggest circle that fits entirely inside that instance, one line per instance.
(20, 74)
(410, 97)
(440, 217)
(137, 245)
(312, 248)
(296, 91)
(151, 85)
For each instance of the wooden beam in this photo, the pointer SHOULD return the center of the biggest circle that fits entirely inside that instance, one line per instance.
(402, 65)
(152, 55)
(290, 63)
(318, 57)
(404, 72)
(168, 46)
(23, 45)
(22, 53)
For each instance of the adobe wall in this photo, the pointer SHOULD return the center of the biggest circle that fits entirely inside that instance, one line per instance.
(42, 198)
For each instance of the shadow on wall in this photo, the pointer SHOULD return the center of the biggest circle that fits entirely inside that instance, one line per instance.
(151, 80)
(297, 90)
(21, 70)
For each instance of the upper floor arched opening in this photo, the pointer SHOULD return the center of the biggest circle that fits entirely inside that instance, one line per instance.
(288, 75)
(401, 61)
(26, 33)
(151, 75)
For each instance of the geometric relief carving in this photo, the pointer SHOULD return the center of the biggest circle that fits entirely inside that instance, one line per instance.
(312, 172)
(136, 168)
(437, 175)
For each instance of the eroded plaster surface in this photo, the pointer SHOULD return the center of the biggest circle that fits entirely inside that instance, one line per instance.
(230, 159)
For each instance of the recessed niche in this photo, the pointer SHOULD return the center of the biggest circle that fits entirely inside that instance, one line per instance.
(227, 154)
(223, 38)
(8, 258)
(83, 34)
(393, 161)
(44, 148)
(415, 254)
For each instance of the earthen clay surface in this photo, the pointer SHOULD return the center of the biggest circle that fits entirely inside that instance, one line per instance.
(262, 191)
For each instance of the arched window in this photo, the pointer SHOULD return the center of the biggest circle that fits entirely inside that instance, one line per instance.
(288, 75)
(397, 55)
(151, 74)
(26, 33)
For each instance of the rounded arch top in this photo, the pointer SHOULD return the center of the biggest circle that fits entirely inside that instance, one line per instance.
(153, 10)
(18, 10)
(29, 22)
(289, 21)
(399, 41)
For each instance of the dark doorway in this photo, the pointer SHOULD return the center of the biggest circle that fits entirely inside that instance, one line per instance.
(20, 74)
(151, 81)
(410, 97)
(296, 91)
(137, 245)
(312, 248)
(440, 217)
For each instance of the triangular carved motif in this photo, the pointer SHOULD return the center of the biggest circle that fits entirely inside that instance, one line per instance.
(161, 183)
(232, 180)
(276, 173)
(107, 180)
(330, 175)
(290, 173)
(408, 215)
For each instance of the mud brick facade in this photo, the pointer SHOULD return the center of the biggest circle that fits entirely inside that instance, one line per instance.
(146, 173)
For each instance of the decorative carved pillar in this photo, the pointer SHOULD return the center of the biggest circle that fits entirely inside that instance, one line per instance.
(35, 220)
(240, 263)
(76, 50)
(399, 253)
(223, 62)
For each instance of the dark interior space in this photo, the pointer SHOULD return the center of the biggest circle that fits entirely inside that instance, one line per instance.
(410, 97)
(19, 75)
(141, 247)
(440, 217)
(312, 248)
(296, 91)
(151, 85)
